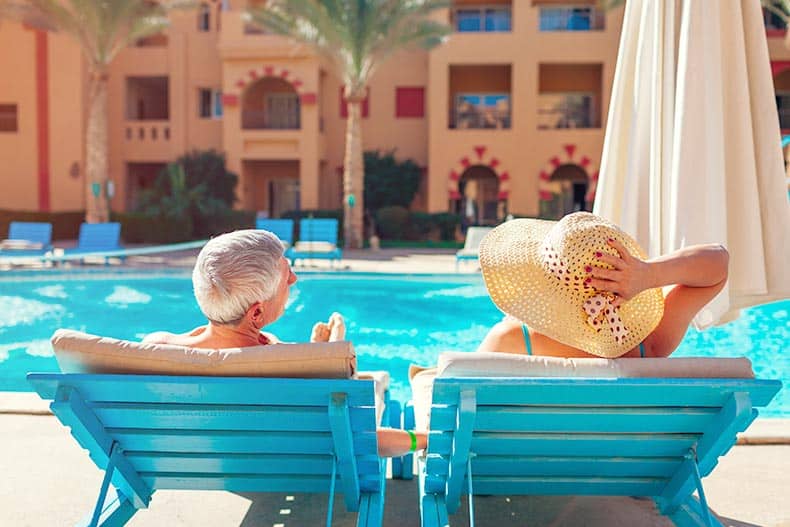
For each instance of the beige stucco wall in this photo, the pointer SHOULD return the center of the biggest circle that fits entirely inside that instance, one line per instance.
(227, 59)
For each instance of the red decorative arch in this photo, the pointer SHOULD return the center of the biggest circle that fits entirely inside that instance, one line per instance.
(567, 158)
(243, 82)
(479, 156)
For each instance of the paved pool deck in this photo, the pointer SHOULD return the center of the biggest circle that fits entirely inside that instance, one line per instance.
(48, 480)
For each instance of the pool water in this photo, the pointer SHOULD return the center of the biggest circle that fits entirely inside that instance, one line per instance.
(393, 320)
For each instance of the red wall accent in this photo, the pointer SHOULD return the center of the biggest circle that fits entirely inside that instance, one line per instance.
(228, 99)
(344, 105)
(308, 98)
(410, 101)
(42, 119)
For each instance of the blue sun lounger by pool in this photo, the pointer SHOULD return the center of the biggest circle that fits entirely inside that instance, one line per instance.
(282, 228)
(653, 437)
(471, 249)
(97, 238)
(27, 239)
(238, 434)
(317, 240)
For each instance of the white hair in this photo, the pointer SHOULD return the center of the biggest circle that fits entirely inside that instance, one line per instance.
(235, 270)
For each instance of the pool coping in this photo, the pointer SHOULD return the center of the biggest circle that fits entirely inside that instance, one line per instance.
(763, 431)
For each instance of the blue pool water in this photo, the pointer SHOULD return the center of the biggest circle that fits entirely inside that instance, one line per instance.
(392, 320)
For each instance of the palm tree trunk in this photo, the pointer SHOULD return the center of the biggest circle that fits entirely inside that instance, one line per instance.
(353, 175)
(97, 206)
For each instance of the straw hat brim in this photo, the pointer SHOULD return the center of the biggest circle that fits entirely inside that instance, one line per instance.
(520, 286)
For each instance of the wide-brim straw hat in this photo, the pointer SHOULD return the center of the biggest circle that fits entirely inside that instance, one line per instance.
(534, 271)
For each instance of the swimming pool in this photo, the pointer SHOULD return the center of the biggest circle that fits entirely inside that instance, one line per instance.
(393, 320)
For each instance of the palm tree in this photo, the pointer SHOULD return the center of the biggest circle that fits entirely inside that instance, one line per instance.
(102, 28)
(356, 37)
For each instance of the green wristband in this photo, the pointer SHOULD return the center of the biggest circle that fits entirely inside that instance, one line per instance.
(413, 438)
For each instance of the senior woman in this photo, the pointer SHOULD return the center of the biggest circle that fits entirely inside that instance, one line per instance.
(241, 282)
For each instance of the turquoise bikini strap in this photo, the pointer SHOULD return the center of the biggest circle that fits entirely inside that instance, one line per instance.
(527, 340)
(642, 349)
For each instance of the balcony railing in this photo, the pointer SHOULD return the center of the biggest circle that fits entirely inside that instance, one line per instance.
(576, 110)
(481, 111)
(476, 19)
(266, 120)
(147, 131)
(571, 18)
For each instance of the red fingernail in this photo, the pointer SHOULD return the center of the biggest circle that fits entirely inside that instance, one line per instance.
(588, 281)
(611, 239)
(598, 254)
(588, 269)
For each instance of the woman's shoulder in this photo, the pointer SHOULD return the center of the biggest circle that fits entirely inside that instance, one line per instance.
(506, 336)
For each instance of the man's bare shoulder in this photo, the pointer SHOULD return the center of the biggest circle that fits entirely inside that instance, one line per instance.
(178, 339)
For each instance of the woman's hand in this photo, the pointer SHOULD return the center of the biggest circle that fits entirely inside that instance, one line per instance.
(629, 277)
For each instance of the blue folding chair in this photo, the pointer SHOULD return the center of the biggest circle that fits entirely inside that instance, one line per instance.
(282, 228)
(317, 240)
(241, 434)
(96, 238)
(27, 239)
(654, 437)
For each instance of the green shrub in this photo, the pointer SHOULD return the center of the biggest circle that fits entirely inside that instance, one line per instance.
(227, 221)
(392, 222)
(65, 225)
(139, 227)
(421, 226)
(389, 182)
(447, 224)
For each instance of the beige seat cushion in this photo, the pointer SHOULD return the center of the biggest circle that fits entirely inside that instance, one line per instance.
(381, 381)
(489, 364)
(78, 352)
(314, 247)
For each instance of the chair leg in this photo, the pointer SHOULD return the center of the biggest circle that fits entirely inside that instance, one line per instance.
(433, 509)
(116, 511)
(692, 514)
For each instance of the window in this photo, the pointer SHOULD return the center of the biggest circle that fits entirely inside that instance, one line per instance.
(566, 110)
(782, 106)
(570, 18)
(479, 19)
(282, 111)
(344, 105)
(204, 18)
(475, 110)
(8, 118)
(409, 102)
(209, 103)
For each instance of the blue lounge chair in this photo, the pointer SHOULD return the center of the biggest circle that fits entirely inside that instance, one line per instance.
(474, 235)
(27, 239)
(654, 437)
(238, 434)
(317, 240)
(283, 229)
(97, 238)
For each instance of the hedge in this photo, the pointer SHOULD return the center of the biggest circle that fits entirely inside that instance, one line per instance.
(65, 225)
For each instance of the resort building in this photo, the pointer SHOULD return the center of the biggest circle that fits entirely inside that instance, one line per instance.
(508, 116)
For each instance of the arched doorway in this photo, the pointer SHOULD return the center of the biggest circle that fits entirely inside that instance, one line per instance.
(479, 202)
(270, 103)
(571, 184)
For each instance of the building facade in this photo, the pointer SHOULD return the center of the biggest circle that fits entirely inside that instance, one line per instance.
(508, 116)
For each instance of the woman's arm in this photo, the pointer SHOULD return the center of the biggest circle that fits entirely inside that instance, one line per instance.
(697, 273)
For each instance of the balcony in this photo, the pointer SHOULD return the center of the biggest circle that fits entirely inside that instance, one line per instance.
(569, 96)
(271, 103)
(571, 18)
(477, 17)
(480, 97)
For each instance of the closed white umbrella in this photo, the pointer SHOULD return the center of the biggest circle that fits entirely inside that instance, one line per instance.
(692, 151)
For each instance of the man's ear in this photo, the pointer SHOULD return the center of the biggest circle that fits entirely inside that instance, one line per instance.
(257, 314)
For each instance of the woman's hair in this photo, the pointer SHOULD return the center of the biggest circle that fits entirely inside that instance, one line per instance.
(235, 270)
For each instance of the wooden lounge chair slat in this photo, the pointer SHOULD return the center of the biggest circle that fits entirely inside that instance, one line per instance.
(207, 390)
(216, 417)
(580, 419)
(605, 392)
